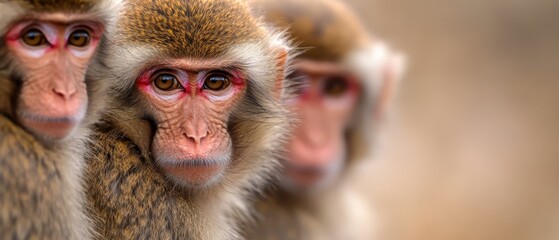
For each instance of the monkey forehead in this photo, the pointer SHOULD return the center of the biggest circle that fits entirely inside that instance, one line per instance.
(193, 28)
(324, 30)
(67, 10)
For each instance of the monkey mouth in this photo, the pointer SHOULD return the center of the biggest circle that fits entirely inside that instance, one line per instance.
(195, 172)
(51, 128)
(195, 162)
(306, 168)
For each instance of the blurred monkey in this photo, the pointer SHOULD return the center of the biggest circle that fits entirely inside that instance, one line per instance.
(347, 79)
(47, 104)
(195, 123)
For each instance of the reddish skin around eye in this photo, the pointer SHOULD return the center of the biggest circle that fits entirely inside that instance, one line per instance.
(53, 99)
(191, 143)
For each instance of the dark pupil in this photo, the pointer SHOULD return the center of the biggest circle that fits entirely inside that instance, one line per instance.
(79, 35)
(216, 79)
(165, 82)
(166, 79)
(32, 35)
(216, 82)
(335, 87)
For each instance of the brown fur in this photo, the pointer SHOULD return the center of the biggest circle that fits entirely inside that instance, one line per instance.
(40, 180)
(199, 36)
(57, 5)
(127, 192)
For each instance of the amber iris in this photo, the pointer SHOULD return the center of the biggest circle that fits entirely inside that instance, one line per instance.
(166, 82)
(34, 37)
(216, 82)
(79, 38)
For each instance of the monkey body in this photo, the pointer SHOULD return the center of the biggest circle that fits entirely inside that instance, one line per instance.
(38, 182)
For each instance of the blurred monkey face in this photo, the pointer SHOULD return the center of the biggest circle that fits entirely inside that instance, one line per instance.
(324, 105)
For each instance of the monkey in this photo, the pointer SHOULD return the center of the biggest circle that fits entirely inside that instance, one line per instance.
(347, 79)
(195, 121)
(48, 100)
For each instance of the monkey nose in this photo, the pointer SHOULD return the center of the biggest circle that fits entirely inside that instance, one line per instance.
(66, 92)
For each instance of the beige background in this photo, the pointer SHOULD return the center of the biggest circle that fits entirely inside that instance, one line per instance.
(471, 149)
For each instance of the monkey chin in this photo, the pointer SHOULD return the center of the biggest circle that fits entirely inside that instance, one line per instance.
(301, 179)
(195, 173)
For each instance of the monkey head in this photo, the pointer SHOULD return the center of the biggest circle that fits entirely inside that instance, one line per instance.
(45, 50)
(206, 76)
(339, 71)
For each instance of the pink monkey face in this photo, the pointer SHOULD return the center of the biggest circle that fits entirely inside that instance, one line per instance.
(324, 106)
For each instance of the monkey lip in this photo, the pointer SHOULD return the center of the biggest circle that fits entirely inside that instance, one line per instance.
(305, 168)
(56, 128)
(196, 172)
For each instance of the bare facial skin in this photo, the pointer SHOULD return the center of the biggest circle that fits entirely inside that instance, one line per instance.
(324, 107)
(190, 105)
(53, 53)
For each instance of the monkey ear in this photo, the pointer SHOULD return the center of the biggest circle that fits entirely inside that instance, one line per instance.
(391, 73)
(282, 54)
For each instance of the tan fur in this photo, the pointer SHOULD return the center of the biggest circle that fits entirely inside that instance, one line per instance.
(326, 31)
(40, 181)
(128, 194)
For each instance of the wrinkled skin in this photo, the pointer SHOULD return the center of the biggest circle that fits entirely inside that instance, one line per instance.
(53, 51)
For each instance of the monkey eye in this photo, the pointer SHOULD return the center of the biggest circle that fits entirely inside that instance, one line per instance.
(166, 82)
(34, 38)
(216, 81)
(335, 86)
(79, 38)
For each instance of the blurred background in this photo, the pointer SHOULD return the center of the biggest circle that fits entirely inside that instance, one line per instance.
(470, 149)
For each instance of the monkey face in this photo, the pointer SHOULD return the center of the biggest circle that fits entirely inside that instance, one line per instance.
(52, 53)
(324, 106)
(191, 107)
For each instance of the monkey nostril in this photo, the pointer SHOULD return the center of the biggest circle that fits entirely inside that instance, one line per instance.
(197, 138)
(65, 94)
